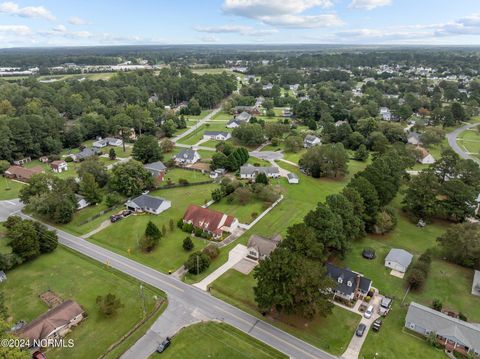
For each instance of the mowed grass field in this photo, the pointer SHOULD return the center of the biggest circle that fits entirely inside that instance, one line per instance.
(9, 189)
(331, 333)
(216, 341)
(469, 140)
(72, 276)
(123, 237)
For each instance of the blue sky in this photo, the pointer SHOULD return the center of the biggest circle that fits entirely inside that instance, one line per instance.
(107, 22)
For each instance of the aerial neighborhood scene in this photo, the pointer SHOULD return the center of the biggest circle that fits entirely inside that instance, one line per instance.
(240, 179)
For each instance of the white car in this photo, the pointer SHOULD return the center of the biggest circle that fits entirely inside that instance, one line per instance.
(368, 313)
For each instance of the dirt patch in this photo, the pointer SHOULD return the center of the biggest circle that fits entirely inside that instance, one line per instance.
(51, 299)
(202, 166)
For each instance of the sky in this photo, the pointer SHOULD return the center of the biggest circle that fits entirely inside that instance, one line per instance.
(33, 23)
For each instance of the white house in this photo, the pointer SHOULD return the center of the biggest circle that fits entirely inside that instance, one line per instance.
(187, 156)
(81, 202)
(59, 166)
(250, 172)
(398, 259)
(424, 157)
(240, 119)
(217, 135)
(310, 141)
(150, 204)
(385, 113)
(108, 141)
(292, 178)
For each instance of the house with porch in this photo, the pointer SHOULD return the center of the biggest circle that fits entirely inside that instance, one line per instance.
(187, 156)
(59, 166)
(310, 141)
(350, 285)
(149, 204)
(210, 221)
(454, 334)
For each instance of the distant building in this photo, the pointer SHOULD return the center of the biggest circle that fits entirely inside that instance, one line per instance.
(292, 178)
(187, 156)
(386, 114)
(59, 166)
(21, 173)
(149, 204)
(250, 172)
(81, 202)
(210, 221)
(350, 285)
(156, 169)
(217, 135)
(310, 141)
(238, 120)
(424, 157)
(413, 138)
(84, 154)
(108, 141)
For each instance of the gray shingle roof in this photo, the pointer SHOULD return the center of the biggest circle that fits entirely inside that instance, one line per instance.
(444, 325)
(155, 166)
(292, 176)
(146, 201)
(216, 133)
(244, 116)
(186, 154)
(249, 169)
(264, 246)
(399, 256)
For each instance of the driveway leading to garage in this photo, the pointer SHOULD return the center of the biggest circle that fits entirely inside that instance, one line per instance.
(237, 254)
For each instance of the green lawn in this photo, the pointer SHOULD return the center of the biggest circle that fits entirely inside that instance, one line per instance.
(469, 140)
(217, 126)
(175, 174)
(122, 237)
(222, 116)
(193, 137)
(72, 276)
(242, 212)
(9, 189)
(332, 333)
(216, 340)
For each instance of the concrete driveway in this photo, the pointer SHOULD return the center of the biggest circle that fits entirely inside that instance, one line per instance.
(267, 155)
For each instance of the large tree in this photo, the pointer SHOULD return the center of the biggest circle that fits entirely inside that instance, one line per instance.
(353, 226)
(370, 200)
(96, 168)
(130, 178)
(421, 196)
(328, 160)
(292, 284)
(146, 149)
(90, 189)
(461, 244)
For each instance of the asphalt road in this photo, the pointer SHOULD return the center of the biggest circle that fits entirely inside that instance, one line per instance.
(197, 125)
(187, 303)
(452, 141)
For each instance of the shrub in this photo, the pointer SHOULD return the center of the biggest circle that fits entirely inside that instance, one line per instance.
(462, 316)
(68, 159)
(416, 278)
(197, 262)
(211, 251)
(112, 199)
(437, 305)
(188, 244)
(109, 304)
(183, 181)
(152, 231)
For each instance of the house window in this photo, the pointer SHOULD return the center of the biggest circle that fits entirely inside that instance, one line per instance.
(340, 280)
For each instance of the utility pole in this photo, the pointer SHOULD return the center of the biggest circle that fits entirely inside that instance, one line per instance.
(198, 260)
(142, 295)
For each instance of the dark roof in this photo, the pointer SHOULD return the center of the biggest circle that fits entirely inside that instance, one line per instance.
(85, 153)
(146, 201)
(264, 246)
(215, 133)
(155, 166)
(186, 154)
(347, 276)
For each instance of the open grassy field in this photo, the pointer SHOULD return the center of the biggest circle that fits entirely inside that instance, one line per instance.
(72, 276)
(242, 212)
(122, 237)
(222, 116)
(9, 189)
(330, 333)
(469, 140)
(216, 341)
(211, 71)
(193, 137)
(176, 174)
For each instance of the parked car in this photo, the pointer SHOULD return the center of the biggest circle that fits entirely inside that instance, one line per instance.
(163, 345)
(115, 218)
(385, 305)
(368, 313)
(360, 330)
(368, 253)
(126, 213)
(377, 324)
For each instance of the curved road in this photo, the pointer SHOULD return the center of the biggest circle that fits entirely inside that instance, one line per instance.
(452, 141)
(187, 303)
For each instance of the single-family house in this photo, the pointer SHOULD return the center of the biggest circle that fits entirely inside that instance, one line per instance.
(81, 202)
(21, 173)
(267, 87)
(84, 154)
(55, 323)
(454, 334)
(424, 157)
(292, 178)
(260, 248)
(150, 204)
(22, 161)
(59, 166)
(386, 114)
(43, 159)
(210, 221)
(217, 135)
(239, 120)
(310, 141)
(250, 172)
(187, 156)
(252, 110)
(398, 259)
(350, 285)
(108, 141)
(217, 173)
(413, 138)
(287, 112)
(156, 169)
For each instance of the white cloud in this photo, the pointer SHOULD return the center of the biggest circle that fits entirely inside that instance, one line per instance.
(28, 11)
(235, 29)
(77, 21)
(20, 30)
(210, 39)
(62, 31)
(283, 13)
(369, 4)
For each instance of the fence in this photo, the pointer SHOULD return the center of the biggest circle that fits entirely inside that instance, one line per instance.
(175, 185)
(101, 213)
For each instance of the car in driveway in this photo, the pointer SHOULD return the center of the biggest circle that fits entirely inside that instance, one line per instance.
(377, 325)
(115, 218)
(163, 345)
(360, 330)
(369, 312)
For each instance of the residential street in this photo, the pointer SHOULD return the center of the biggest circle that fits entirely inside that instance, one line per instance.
(452, 141)
(187, 302)
(197, 125)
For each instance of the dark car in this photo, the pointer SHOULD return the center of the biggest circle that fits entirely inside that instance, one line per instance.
(115, 218)
(126, 213)
(377, 324)
(360, 330)
(368, 253)
(163, 345)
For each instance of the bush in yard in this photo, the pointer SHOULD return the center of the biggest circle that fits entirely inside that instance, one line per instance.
(254, 215)
(4, 165)
(183, 181)
(112, 154)
(112, 199)
(187, 244)
(261, 178)
(416, 278)
(164, 230)
(171, 225)
(432, 339)
(152, 231)
(437, 305)
(197, 263)
(147, 244)
(462, 316)
(109, 304)
(211, 251)
(180, 224)
(187, 227)
(198, 232)
(218, 194)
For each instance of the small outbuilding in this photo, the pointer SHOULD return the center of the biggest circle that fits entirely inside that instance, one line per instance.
(292, 178)
(398, 259)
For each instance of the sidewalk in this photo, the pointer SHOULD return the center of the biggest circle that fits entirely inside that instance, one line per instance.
(235, 256)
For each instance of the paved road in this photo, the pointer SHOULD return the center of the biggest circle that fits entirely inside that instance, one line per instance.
(193, 302)
(452, 141)
(197, 125)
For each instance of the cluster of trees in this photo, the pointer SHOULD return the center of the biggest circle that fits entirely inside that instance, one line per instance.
(151, 237)
(28, 240)
(417, 275)
(34, 115)
(147, 150)
(249, 134)
(447, 189)
(460, 244)
(199, 261)
(238, 192)
(229, 157)
(330, 160)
